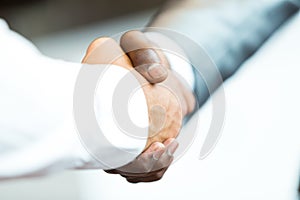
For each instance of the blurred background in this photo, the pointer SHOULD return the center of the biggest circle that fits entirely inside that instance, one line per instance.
(47, 22)
(256, 158)
(37, 17)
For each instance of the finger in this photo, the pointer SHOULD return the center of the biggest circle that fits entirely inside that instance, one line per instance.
(171, 146)
(141, 175)
(152, 178)
(106, 51)
(144, 56)
(112, 171)
(156, 146)
(143, 164)
(167, 157)
(169, 141)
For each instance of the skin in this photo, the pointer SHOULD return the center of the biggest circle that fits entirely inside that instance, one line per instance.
(144, 54)
(168, 102)
(151, 165)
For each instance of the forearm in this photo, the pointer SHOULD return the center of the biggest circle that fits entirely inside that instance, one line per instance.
(38, 134)
(36, 127)
(230, 31)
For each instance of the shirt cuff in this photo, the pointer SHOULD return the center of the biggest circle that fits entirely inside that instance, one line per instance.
(122, 118)
(176, 56)
(58, 145)
(182, 68)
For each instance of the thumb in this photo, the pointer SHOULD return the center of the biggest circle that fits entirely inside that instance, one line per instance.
(145, 57)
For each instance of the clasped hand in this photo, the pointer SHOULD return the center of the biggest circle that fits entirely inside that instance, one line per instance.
(168, 100)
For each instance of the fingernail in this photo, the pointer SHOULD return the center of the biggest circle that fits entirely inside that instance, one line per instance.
(157, 71)
(172, 148)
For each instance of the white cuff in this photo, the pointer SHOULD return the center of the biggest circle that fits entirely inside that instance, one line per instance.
(177, 58)
(36, 120)
(122, 116)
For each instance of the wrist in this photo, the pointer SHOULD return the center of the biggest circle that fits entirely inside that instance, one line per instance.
(179, 64)
(110, 129)
(178, 60)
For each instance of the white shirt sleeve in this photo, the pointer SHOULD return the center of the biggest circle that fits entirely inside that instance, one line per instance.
(37, 130)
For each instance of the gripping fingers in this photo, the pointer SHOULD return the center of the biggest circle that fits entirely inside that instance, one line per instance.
(144, 56)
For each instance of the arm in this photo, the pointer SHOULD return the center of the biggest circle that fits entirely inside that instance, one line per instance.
(38, 134)
(230, 31)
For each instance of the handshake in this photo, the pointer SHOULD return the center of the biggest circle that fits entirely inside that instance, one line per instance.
(168, 99)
